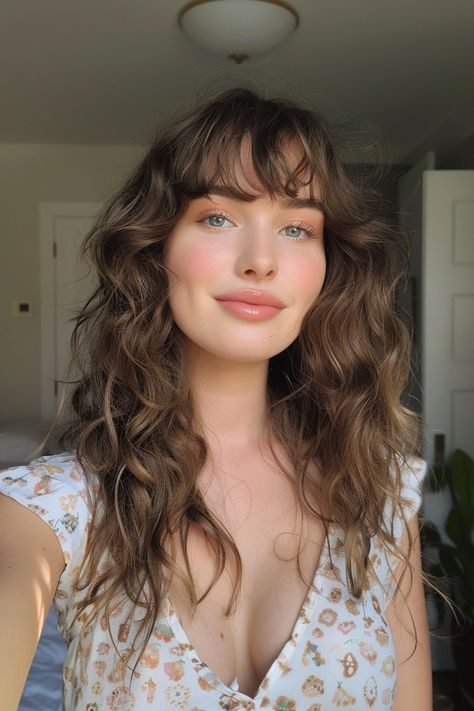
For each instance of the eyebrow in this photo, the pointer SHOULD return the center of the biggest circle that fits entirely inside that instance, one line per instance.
(296, 202)
(289, 202)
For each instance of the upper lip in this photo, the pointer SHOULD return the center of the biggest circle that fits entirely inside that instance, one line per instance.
(252, 296)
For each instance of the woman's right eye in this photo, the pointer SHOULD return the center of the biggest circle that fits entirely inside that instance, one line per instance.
(216, 221)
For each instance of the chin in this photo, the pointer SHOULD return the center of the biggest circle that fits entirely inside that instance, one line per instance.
(243, 354)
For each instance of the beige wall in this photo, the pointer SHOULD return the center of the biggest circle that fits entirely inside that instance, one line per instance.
(30, 174)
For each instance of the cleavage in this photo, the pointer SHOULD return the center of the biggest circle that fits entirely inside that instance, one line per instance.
(245, 645)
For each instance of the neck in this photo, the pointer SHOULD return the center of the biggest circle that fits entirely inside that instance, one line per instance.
(230, 398)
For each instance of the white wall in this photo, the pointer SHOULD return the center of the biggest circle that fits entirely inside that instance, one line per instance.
(30, 174)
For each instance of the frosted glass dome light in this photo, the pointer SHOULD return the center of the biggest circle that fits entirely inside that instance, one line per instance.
(238, 29)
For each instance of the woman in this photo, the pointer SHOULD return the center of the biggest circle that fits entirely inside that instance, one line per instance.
(234, 525)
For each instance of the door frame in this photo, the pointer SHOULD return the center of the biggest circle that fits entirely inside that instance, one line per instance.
(49, 212)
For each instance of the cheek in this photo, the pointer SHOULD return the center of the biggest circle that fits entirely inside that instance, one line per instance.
(310, 277)
(192, 264)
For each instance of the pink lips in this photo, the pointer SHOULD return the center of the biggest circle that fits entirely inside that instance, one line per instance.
(251, 304)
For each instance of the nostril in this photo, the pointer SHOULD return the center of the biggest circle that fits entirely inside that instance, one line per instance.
(252, 272)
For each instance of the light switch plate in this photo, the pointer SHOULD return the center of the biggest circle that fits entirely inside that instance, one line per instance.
(22, 309)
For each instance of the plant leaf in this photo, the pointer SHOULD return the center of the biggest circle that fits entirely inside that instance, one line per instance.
(466, 559)
(458, 526)
(462, 472)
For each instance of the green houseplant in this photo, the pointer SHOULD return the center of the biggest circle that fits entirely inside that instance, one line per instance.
(456, 559)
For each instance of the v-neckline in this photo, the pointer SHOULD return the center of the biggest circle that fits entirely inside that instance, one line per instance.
(273, 672)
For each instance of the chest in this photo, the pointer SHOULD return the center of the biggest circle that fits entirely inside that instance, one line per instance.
(264, 520)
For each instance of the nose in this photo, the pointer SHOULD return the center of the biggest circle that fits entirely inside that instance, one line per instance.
(257, 256)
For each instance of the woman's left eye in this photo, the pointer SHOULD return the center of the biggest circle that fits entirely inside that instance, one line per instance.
(216, 221)
(297, 232)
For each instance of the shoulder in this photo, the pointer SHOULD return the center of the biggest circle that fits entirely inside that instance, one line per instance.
(399, 515)
(408, 477)
(55, 488)
(56, 473)
(412, 474)
(406, 486)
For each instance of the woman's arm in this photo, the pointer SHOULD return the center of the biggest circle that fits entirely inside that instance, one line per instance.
(407, 616)
(31, 562)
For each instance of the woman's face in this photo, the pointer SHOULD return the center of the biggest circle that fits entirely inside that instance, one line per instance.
(225, 256)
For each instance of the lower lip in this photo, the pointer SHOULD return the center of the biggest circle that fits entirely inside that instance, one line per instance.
(251, 312)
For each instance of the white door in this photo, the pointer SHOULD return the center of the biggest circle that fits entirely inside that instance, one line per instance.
(447, 321)
(65, 287)
(438, 209)
(447, 328)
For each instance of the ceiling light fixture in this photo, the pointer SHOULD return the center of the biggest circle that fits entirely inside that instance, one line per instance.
(238, 29)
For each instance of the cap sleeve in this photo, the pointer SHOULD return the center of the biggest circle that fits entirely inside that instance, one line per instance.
(54, 488)
(413, 472)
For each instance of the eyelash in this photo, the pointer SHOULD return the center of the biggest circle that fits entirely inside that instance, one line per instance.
(213, 213)
(299, 224)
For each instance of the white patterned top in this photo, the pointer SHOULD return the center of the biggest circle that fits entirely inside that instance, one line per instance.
(340, 652)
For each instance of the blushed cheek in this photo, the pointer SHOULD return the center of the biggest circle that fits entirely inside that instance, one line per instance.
(195, 265)
(310, 279)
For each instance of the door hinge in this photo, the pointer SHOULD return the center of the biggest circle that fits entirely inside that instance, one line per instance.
(55, 388)
(55, 250)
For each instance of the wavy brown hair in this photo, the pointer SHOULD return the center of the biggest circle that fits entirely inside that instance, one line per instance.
(333, 394)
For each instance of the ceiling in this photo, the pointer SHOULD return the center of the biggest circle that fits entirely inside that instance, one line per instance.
(110, 71)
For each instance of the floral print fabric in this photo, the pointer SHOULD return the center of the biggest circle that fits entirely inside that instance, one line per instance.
(340, 652)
